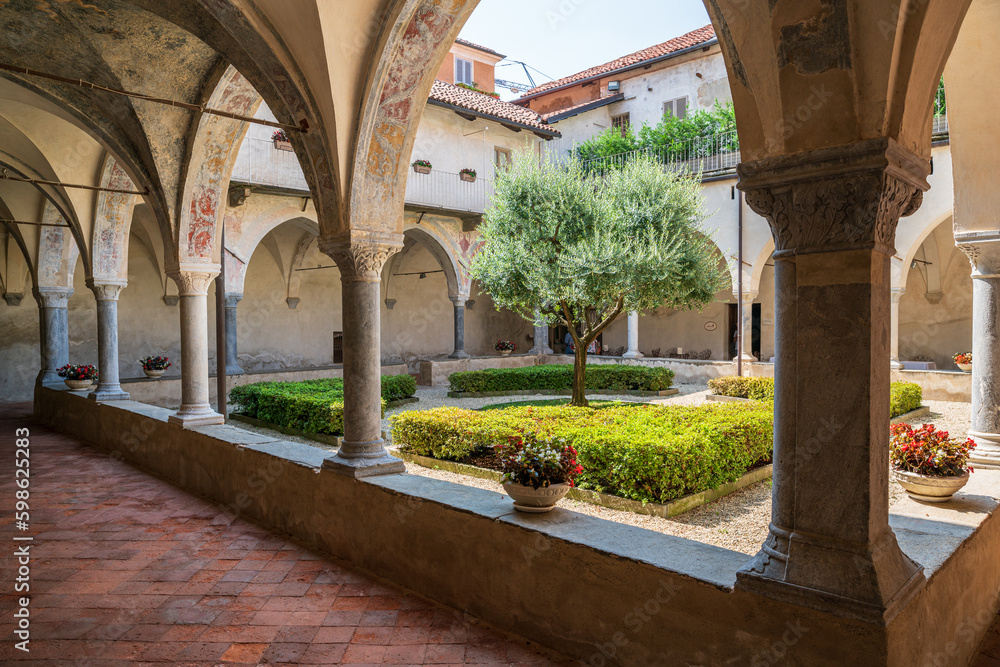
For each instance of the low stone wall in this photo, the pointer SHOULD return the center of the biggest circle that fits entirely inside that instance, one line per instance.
(596, 590)
(435, 372)
(166, 391)
(939, 385)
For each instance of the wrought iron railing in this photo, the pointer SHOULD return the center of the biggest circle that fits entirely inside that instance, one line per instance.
(260, 163)
(706, 155)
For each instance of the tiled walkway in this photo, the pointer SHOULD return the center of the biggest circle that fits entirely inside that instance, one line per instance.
(127, 569)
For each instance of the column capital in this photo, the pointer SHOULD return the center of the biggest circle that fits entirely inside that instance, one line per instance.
(983, 251)
(748, 296)
(360, 255)
(106, 290)
(896, 293)
(53, 297)
(843, 198)
(459, 299)
(232, 299)
(193, 279)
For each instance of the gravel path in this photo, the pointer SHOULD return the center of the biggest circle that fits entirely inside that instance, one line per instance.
(737, 522)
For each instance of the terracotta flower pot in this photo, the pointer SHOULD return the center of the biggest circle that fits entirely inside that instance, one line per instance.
(468, 178)
(930, 488)
(543, 499)
(964, 367)
(154, 373)
(421, 170)
(78, 385)
(283, 145)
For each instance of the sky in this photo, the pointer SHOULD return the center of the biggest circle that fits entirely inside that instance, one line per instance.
(562, 37)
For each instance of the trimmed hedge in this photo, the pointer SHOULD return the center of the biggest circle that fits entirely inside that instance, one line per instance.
(644, 452)
(903, 396)
(313, 406)
(560, 378)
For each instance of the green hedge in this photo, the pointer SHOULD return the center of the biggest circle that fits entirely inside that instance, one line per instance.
(903, 396)
(313, 406)
(644, 452)
(560, 378)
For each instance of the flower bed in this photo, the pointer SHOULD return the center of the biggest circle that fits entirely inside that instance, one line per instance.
(903, 396)
(560, 378)
(311, 406)
(642, 452)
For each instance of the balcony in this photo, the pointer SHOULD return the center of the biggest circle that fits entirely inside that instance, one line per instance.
(260, 164)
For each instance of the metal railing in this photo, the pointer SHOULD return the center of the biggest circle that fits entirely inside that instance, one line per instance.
(260, 163)
(445, 190)
(939, 128)
(706, 155)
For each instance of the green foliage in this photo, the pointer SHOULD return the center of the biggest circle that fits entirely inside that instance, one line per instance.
(594, 405)
(671, 138)
(940, 102)
(903, 396)
(644, 452)
(313, 406)
(560, 378)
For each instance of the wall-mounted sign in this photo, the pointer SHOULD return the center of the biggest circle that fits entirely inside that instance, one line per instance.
(710, 326)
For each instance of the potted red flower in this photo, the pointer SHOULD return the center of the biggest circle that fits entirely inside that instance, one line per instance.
(964, 361)
(154, 367)
(537, 472)
(421, 166)
(468, 175)
(928, 463)
(281, 141)
(505, 347)
(78, 378)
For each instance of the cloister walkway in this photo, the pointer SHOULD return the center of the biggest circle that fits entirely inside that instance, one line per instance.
(126, 568)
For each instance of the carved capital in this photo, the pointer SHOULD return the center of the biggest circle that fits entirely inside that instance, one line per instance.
(983, 251)
(53, 297)
(194, 279)
(896, 293)
(105, 291)
(233, 299)
(836, 199)
(748, 296)
(361, 255)
(13, 298)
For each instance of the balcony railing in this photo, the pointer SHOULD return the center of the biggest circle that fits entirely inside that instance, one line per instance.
(715, 153)
(260, 163)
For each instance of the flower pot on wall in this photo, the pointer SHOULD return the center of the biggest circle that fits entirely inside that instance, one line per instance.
(468, 178)
(542, 499)
(421, 169)
(283, 145)
(964, 367)
(930, 488)
(78, 385)
(154, 373)
(505, 352)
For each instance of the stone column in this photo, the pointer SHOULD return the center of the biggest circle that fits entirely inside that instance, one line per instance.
(192, 284)
(895, 295)
(54, 332)
(232, 361)
(833, 215)
(108, 386)
(459, 352)
(633, 336)
(541, 333)
(362, 453)
(746, 327)
(983, 251)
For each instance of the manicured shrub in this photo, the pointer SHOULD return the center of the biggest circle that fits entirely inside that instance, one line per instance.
(644, 452)
(313, 406)
(560, 378)
(903, 396)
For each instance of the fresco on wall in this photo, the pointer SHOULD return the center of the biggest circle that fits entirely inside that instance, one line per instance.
(111, 223)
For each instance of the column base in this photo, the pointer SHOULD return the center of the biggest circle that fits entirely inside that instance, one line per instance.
(196, 415)
(459, 354)
(987, 451)
(365, 467)
(102, 394)
(541, 350)
(895, 365)
(50, 379)
(633, 354)
(234, 370)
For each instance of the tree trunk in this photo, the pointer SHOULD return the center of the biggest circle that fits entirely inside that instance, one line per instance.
(579, 398)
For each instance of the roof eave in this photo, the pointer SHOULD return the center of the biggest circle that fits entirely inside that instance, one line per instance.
(583, 108)
(543, 133)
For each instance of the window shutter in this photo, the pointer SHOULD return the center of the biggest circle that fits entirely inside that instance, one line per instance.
(680, 107)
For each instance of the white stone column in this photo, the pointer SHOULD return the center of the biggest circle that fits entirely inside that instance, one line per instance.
(983, 251)
(633, 336)
(108, 384)
(830, 546)
(459, 302)
(192, 285)
(746, 327)
(362, 453)
(541, 342)
(896, 294)
(53, 332)
(232, 360)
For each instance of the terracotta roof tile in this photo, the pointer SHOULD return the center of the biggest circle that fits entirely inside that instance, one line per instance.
(693, 38)
(471, 45)
(479, 103)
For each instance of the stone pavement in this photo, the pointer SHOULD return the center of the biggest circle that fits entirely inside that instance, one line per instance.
(126, 568)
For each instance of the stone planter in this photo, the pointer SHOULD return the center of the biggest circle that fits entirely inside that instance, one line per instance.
(421, 170)
(544, 499)
(468, 178)
(155, 373)
(930, 488)
(964, 367)
(283, 145)
(78, 385)
(505, 352)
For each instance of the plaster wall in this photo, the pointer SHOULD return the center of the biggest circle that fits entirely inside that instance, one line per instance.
(19, 354)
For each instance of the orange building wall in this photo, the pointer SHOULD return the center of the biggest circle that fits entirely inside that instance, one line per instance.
(483, 75)
(447, 71)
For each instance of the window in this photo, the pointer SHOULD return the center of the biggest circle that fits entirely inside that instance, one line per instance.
(463, 71)
(501, 157)
(676, 108)
(621, 123)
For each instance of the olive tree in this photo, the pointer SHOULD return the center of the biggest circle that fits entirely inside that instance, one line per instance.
(581, 249)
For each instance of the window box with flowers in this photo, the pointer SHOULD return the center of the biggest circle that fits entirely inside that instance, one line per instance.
(281, 141)
(537, 472)
(505, 347)
(154, 367)
(964, 361)
(421, 166)
(929, 464)
(468, 175)
(78, 378)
